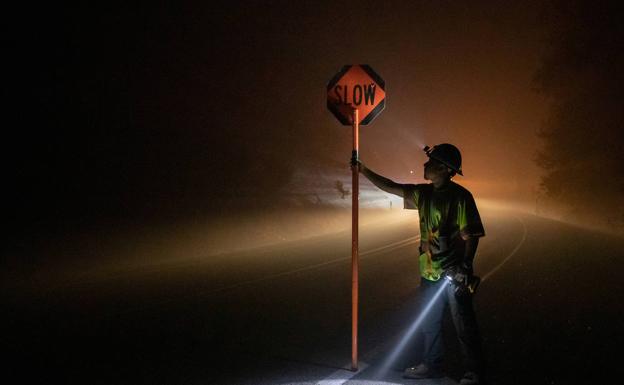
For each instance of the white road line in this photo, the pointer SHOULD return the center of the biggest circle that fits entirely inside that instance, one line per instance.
(341, 376)
(391, 246)
(394, 245)
(513, 252)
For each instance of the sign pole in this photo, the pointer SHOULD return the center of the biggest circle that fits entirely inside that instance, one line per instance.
(354, 243)
(355, 90)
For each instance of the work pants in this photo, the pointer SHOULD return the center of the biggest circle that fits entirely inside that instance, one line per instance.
(462, 312)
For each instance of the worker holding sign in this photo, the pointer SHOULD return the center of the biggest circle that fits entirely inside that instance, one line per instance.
(450, 228)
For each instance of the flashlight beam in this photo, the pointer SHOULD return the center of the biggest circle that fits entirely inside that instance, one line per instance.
(410, 332)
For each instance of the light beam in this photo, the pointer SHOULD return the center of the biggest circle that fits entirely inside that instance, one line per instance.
(385, 367)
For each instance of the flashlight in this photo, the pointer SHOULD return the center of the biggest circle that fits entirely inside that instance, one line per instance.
(463, 287)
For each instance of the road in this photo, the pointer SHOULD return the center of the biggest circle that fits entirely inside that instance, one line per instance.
(549, 309)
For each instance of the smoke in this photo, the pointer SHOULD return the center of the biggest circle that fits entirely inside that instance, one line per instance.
(204, 110)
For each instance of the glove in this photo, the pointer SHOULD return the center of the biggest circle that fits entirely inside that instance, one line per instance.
(463, 280)
(460, 274)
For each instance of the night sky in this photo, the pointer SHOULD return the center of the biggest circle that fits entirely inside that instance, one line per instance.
(171, 110)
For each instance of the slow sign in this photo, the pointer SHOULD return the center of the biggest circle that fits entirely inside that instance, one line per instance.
(356, 87)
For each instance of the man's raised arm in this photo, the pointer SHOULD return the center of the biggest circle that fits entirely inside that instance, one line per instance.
(383, 183)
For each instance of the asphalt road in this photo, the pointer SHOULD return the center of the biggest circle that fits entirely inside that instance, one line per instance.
(549, 309)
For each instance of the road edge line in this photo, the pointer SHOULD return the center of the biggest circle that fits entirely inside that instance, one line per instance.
(513, 252)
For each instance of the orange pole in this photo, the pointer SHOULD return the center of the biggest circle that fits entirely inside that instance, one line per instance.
(354, 244)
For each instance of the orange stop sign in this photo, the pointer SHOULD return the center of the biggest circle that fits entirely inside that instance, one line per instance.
(356, 87)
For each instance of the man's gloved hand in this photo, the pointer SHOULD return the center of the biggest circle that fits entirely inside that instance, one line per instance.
(463, 280)
(356, 164)
(460, 274)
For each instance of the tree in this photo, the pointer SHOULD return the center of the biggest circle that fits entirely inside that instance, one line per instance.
(581, 75)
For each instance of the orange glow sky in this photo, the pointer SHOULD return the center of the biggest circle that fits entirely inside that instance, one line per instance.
(182, 110)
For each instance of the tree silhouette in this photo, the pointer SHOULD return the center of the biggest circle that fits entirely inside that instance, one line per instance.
(581, 75)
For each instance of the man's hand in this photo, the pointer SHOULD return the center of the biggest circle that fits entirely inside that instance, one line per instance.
(356, 164)
(460, 274)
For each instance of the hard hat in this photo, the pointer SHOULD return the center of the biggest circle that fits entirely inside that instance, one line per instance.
(446, 154)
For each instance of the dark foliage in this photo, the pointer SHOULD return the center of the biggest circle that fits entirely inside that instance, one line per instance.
(581, 74)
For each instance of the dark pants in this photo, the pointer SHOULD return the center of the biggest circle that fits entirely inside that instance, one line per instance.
(463, 314)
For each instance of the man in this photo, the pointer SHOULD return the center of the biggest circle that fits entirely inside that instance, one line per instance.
(450, 227)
